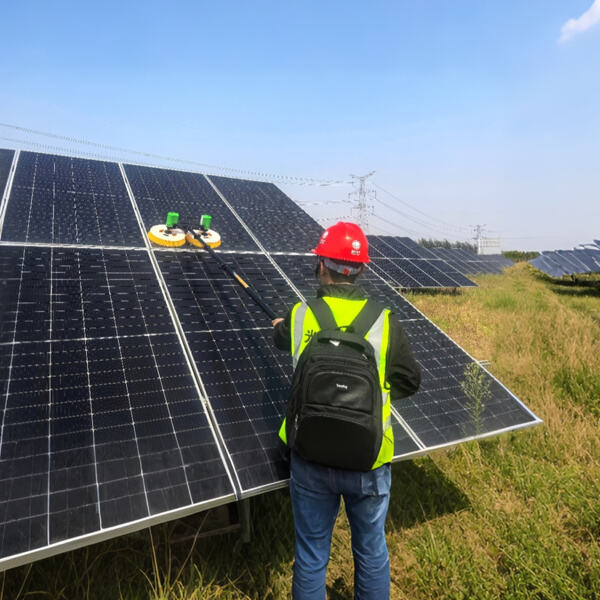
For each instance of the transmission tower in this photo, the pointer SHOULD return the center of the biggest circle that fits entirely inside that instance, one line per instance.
(364, 199)
(478, 230)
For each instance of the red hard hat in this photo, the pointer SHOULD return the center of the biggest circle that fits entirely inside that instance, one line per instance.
(344, 241)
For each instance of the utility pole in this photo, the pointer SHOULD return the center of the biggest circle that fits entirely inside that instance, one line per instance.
(479, 230)
(364, 197)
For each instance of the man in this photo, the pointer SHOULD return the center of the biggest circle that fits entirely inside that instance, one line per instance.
(315, 489)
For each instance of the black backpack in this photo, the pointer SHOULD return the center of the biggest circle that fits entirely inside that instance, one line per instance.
(334, 415)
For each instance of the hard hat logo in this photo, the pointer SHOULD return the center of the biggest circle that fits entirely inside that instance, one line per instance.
(343, 242)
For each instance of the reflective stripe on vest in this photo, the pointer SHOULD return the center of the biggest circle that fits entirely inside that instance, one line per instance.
(304, 325)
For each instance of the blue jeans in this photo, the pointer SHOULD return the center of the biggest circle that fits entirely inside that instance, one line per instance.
(315, 492)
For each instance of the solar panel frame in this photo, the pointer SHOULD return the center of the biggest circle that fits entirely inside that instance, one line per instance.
(6, 182)
(6, 161)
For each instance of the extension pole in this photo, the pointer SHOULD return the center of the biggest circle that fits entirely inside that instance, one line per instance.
(252, 293)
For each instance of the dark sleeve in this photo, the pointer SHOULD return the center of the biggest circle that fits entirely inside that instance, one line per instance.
(282, 334)
(402, 370)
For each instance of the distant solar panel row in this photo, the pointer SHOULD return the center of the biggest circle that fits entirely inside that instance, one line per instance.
(404, 263)
(137, 383)
(568, 262)
(468, 263)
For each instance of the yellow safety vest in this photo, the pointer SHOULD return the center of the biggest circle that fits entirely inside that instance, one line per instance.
(304, 325)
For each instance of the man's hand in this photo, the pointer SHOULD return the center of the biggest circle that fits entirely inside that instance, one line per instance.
(275, 322)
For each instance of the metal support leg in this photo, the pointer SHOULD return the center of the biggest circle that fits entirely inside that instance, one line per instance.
(244, 516)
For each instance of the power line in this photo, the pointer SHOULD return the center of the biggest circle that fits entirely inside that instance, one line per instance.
(433, 228)
(256, 174)
(462, 227)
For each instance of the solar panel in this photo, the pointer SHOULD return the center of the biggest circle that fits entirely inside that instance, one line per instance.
(278, 223)
(404, 263)
(593, 258)
(557, 263)
(102, 424)
(567, 265)
(574, 258)
(587, 259)
(548, 266)
(468, 263)
(245, 378)
(158, 191)
(63, 200)
(140, 384)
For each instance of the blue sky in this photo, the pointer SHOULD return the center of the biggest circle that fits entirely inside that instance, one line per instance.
(470, 112)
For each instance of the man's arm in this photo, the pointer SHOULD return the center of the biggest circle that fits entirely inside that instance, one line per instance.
(402, 370)
(282, 333)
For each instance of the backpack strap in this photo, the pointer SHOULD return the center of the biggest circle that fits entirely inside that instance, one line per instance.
(322, 313)
(365, 319)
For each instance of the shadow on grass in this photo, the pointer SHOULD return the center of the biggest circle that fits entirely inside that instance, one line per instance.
(455, 291)
(574, 285)
(420, 492)
(577, 290)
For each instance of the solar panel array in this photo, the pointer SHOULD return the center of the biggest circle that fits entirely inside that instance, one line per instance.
(469, 263)
(405, 264)
(557, 263)
(140, 383)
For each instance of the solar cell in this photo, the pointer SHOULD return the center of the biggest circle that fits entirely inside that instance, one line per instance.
(63, 200)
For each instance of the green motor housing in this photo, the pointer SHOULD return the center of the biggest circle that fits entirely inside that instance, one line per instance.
(205, 222)
(172, 219)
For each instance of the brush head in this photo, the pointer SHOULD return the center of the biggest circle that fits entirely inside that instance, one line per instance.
(209, 237)
(167, 236)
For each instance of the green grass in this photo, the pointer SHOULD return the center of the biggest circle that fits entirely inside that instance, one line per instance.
(515, 517)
